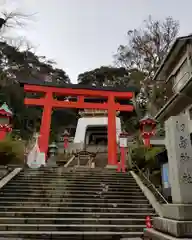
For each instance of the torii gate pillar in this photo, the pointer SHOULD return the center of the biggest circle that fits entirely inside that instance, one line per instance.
(45, 124)
(112, 141)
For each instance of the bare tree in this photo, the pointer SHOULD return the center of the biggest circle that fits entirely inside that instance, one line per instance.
(14, 19)
(147, 46)
(10, 21)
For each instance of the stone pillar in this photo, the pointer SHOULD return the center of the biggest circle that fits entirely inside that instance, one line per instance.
(177, 217)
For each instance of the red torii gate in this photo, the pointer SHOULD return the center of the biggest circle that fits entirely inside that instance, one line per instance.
(80, 92)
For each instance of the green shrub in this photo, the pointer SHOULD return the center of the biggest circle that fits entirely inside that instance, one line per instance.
(138, 155)
(11, 152)
(150, 156)
(144, 156)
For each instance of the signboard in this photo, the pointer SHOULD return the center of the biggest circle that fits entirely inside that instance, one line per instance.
(123, 142)
(165, 175)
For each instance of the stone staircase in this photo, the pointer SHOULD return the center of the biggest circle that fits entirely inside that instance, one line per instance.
(82, 203)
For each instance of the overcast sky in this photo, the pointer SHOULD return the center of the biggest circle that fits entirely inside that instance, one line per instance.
(81, 35)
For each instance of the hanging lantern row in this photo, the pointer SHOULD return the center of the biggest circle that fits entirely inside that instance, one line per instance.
(147, 128)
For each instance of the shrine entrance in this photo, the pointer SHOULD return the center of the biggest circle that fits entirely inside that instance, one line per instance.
(96, 136)
(111, 102)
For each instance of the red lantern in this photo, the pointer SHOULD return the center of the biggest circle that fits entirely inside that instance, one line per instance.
(147, 128)
(148, 222)
(5, 118)
(66, 139)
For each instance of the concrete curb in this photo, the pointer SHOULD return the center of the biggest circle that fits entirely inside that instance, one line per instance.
(7, 178)
(149, 195)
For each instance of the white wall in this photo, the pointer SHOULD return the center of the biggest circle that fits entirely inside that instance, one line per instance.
(83, 123)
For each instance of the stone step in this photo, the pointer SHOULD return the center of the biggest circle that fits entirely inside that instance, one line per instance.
(75, 173)
(70, 184)
(69, 191)
(75, 214)
(62, 173)
(52, 220)
(75, 180)
(75, 204)
(75, 235)
(75, 170)
(53, 172)
(135, 238)
(72, 199)
(70, 227)
(74, 209)
(72, 187)
(65, 195)
(68, 169)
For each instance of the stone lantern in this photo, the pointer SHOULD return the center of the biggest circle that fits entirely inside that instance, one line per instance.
(147, 128)
(5, 120)
(52, 149)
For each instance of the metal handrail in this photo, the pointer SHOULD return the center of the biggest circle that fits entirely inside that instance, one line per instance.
(150, 184)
